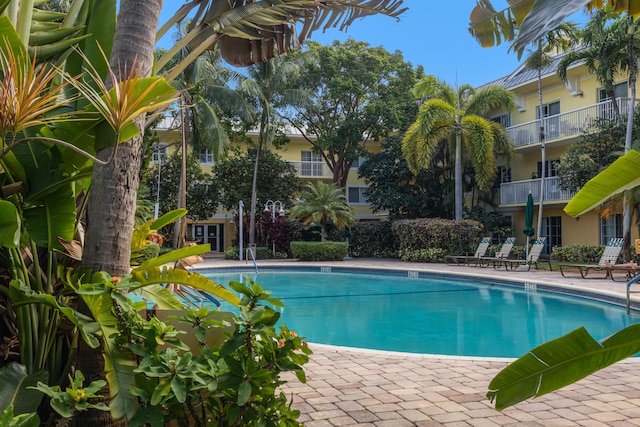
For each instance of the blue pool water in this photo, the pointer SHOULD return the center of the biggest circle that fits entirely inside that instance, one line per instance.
(429, 315)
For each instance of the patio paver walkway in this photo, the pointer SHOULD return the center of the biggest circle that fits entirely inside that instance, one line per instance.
(354, 387)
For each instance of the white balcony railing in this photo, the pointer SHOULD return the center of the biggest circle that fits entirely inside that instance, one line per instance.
(513, 193)
(312, 169)
(564, 125)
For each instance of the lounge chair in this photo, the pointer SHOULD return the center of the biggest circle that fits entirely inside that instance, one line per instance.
(481, 251)
(503, 253)
(532, 259)
(611, 252)
(630, 270)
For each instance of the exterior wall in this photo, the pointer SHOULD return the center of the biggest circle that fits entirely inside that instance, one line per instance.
(578, 107)
(220, 230)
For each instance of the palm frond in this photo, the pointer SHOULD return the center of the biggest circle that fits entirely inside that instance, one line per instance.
(478, 138)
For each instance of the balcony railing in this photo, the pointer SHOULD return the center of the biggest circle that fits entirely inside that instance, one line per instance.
(513, 193)
(564, 125)
(312, 169)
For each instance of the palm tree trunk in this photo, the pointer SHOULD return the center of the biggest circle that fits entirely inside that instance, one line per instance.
(543, 154)
(112, 200)
(626, 219)
(458, 173)
(254, 196)
(180, 226)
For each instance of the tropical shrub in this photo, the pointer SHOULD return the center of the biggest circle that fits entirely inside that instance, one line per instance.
(372, 239)
(578, 253)
(424, 255)
(456, 237)
(319, 251)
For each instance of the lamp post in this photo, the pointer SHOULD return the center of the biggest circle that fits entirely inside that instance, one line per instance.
(271, 206)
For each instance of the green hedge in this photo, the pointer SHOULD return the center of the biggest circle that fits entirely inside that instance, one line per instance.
(582, 254)
(455, 237)
(319, 251)
(372, 239)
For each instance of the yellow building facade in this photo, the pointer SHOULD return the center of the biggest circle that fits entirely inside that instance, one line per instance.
(219, 229)
(568, 111)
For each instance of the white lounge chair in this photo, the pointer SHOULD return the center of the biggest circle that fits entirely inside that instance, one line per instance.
(481, 251)
(611, 253)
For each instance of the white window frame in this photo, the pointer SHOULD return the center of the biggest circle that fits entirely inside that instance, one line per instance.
(362, 201)
(311, 164)
(207, 155)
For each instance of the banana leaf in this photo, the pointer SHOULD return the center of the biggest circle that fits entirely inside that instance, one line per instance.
(9, 225)
(619, 176)
(14, 392)
(560, 362)
(118, 365)
(182, 277)
(20, 294)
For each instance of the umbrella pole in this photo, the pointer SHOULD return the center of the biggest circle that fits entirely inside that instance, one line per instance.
(527, 251)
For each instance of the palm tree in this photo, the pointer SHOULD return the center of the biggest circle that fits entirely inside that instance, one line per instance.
(204, 89)
(456, 116)
(323, 203)
(271, 85)
(602, 50)
(112, 200)
(563, 38)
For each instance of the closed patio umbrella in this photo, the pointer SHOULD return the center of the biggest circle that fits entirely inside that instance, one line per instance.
(528, 221)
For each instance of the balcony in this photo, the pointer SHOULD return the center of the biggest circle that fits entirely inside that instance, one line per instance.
(312, 170)
(565, 125)
(515, 193)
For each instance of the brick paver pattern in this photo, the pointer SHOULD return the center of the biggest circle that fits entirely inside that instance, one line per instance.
(351, 387)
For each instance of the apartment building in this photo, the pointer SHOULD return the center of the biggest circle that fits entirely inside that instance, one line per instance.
(567, 111)
(219, 229)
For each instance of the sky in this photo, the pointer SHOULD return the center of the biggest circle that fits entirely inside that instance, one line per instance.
(435, 37)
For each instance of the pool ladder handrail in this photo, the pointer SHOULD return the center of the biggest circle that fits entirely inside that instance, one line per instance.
(629, 291)
(253, 258)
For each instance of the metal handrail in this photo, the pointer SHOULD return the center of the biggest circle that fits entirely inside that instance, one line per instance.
(629, 291)
(253, 258)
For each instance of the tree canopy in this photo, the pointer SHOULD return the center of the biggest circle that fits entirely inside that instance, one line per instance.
(394, 188)
(277, 179)
(359, 94)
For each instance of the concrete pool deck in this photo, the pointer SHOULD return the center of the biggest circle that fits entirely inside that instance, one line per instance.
(354, 387)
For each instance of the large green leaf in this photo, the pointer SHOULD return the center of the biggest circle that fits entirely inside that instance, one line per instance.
(119, 365)
(173, 256)
(14, 381)
(9, 39)
(186, 278)
(527, 21)
(20, 294)
(9, 225)
(560, 362)
(53, 218)
(619, 176)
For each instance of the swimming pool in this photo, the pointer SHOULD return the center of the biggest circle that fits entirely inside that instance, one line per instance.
(420, 313)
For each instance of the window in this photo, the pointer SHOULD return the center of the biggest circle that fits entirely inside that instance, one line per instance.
(312, 164)
(504, 174)
(159, 154)
(619, 91)
(548, 110)
(552, 230)
(551, 122)
(355, 195)
(503, 119)
(205, 156)
(549, 169)
(610, 227)
(605, 109)
(357, 162)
